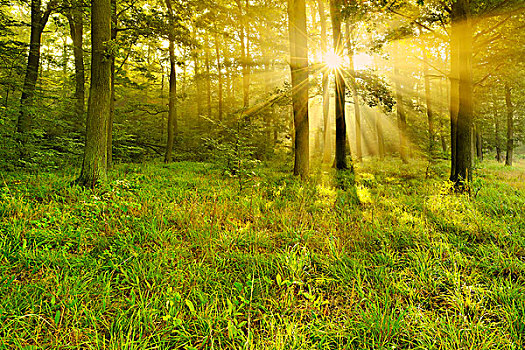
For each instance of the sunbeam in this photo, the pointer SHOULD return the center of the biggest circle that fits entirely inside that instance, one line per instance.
(333, 61)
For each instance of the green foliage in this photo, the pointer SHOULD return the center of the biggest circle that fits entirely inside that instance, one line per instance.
(374, 90)
(235, 152)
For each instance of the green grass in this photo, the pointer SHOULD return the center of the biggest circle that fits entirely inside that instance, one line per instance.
(175, 256)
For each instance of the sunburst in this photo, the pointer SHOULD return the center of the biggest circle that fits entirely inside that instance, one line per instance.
(333, 61)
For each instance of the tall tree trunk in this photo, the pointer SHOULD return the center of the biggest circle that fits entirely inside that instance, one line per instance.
(247, 67)
(244, 37)
(172, 108)
(463, 164)
(479, 143)
(76, 28)
(197, 77)
(473, 142)
(510, 125)
(184, 99)
(428, 101)
(228, 85)
(444, 97)
(38, 22)
(299, 71)
(111, 116)
(454, 95)
(95, 152)
(400, 108)
(219, 74)
(208, 80)
(162, 96)
(65, 61)
(340, 122)
(355, 97)
(497, 133)
(327, 149)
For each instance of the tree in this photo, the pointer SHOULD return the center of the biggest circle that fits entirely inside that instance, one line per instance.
(75, 18)
(244, 36)
(340, 122)
(299, 72)
(94, 165)
(111, 116)
(172, 108)
(353, 88)
(324, 82)
(461, 59)
(220, 102)
(39, 18)
(497, 140)
(510, 125)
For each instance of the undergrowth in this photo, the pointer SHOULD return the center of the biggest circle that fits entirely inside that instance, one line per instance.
(177, 256)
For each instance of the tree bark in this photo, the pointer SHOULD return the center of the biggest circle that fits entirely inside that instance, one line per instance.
(479, 143)
(355, 97)
(244, 37)
(208, 80)
(510, 125)
(327, 149)
(39, 20)
(247, 67)
(76, 28)
(228, 84)
(111, 116)
(95, 152)
(197, 77)
(454, 95)
(340, 122)
(65, 61)
(463, 164)
(497, 140)
(299, 71)
(172, 108)
(444, 97)
(219, 74)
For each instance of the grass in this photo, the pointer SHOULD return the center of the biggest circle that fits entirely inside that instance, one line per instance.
(174, 256)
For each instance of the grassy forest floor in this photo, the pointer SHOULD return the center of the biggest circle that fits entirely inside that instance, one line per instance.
(174, 256)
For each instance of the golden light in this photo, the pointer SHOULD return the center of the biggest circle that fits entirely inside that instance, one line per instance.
(333, 61)
(363, 61)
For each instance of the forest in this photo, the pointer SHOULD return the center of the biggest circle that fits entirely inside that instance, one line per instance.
(262, 174)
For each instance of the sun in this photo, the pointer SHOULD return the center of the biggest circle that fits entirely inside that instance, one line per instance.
(333, 61)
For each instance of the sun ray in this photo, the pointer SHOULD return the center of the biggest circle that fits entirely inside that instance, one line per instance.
(333, 61)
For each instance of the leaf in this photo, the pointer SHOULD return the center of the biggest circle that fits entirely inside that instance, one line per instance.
(232, 331)
(230, 306)
(238, 286)
(308, 296)
(189, 304)
(57, 317)
(279, 279)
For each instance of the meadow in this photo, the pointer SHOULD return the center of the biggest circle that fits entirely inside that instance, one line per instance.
(179, 256)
